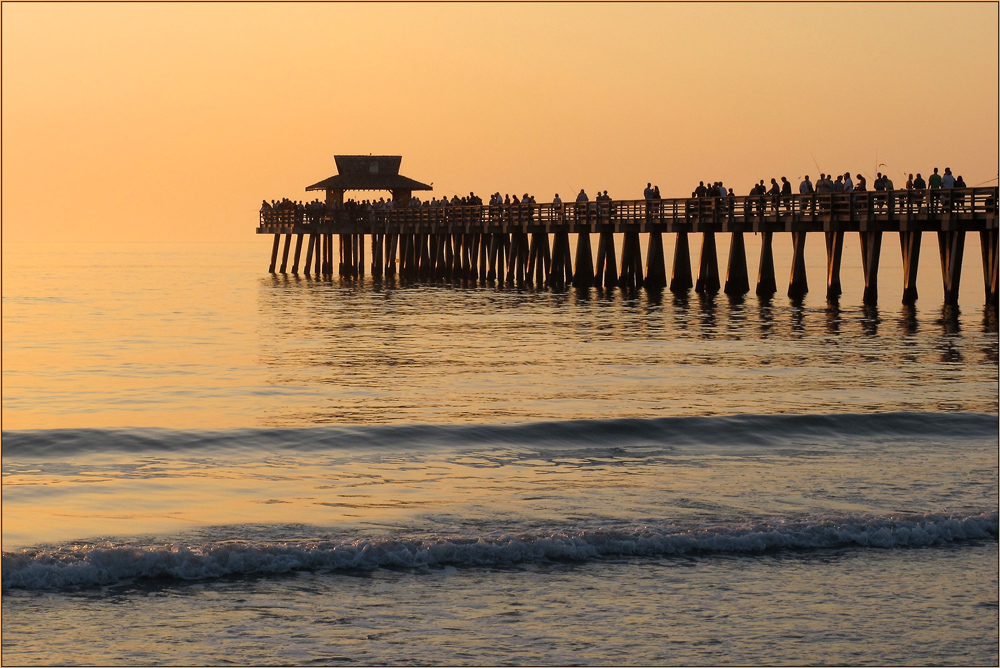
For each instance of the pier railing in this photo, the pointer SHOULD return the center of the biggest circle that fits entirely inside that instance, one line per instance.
(812, 212)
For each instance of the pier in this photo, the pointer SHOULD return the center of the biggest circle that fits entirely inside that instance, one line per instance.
(529, 244)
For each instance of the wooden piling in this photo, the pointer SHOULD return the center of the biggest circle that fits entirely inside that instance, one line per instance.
(656, 266)
(909, 244)
(298, 250)
(630, 275)
(871, 249)
(583, 267)
(988, 241)
(473, 240)
(404, 254)
(491, 270)
(737, 276)
(309, 252)
(274, 253)
(834, 255)
(797, 284)
(413, 256)
(561, 274)
(952, 247)
(611, 261)
(532, 258)
(512, 254)
(483, 253)
(318, 267)
(390, 254)
(680, 275)
(602, 253)
(708, 266)
(767, 285)
(522, 257)
(284, 254)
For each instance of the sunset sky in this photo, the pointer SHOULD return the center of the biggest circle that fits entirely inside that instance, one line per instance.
(170, 122)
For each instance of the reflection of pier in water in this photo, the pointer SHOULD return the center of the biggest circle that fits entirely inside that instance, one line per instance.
(529, 244)
(374, 344)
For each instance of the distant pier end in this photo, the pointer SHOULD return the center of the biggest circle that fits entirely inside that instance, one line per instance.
(529, 243)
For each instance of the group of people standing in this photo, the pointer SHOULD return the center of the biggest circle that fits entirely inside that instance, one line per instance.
(937, 186)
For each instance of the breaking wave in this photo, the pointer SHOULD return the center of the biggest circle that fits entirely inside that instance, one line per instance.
(109, 564)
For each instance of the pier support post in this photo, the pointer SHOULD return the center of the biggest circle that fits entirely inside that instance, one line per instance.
(952, 247)
(484, 249)
(522, 258)
(518, 257)
(656, 265)
(378, 240)
(533, 258)
(834, 255)
(404, 255)
(284, 253)
(708, 266)
(871, 250)
(631, 276)
(909, 244)
(309, 252)
(583, 267)
(387, 256)
(412, 256)
(737, 276)
(797, 284)
(491, 271)
(512, 254)
(562, 262)
(274, 253)
(473, 255)
(543, 257)
(680, 275)
(766, 283)
(298, 251)
(988, 240)
(359, 257)
(607, 263)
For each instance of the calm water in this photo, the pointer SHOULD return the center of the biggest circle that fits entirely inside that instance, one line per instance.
(204, 463)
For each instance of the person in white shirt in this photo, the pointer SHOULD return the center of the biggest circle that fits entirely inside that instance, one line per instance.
(848, 183)
(805, 188)
(948, 180)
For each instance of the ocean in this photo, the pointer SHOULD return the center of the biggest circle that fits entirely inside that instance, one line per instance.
(204, 463)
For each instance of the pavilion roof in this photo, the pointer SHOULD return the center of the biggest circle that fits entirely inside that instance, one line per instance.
(368, 172)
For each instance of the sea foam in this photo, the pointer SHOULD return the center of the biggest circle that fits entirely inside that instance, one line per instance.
(108, 564)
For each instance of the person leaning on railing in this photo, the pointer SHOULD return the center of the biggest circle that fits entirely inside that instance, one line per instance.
(959, 195)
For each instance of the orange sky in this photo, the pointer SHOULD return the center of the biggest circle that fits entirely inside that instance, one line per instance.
(150, 122)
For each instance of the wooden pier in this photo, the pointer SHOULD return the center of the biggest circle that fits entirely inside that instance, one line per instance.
(529, 244)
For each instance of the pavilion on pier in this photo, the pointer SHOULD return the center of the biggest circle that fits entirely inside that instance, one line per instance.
(369, 172)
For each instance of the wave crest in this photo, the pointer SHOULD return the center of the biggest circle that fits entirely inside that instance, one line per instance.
(107, 564)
